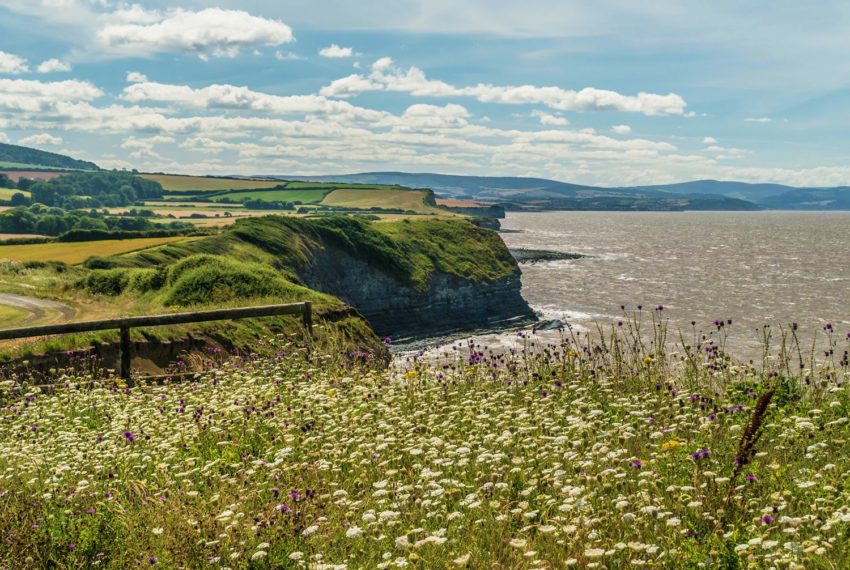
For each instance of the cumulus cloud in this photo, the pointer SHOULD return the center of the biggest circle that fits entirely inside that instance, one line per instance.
(211, 32)
(758, 120)
(11, 63)
(20, 95)
(42, 139)
(385, 75)
(4, 138)
(231, 97)
(549, 119)
(136, 77)
(335, 51)
(53, 66)
(709, 140)
(621, 129)
(281, 55)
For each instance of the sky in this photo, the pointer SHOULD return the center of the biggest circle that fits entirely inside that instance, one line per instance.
(608, 92)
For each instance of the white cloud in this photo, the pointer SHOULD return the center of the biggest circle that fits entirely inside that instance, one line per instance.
(213, 31)
(42, 139)
(709, 140)
(386, 76)
(4, 138)
(53, 66)
(758, 120)
(550, 119)
(621, 129)
(335, 51)
(136, 77)
(286, 56)
(20, 95)
(231, 97)
(11, 63)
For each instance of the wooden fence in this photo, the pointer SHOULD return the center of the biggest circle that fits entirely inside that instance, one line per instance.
(124, 324)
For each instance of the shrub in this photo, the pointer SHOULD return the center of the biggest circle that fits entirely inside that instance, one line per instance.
(105, 281)
(220, 280)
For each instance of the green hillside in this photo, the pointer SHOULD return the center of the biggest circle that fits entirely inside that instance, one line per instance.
(15, 156)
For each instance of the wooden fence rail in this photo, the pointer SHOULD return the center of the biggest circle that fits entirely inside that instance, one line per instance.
(124, 324)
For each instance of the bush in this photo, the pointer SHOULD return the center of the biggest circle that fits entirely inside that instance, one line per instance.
(97, 262)
(105, 281)
(146, 280)
(205, 279)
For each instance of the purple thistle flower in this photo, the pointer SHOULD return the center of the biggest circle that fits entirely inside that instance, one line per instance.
(129, 436)
(152, 560)
(751, 478)
(636, 464)
(284, 508)
(701, 454)
(767, 519)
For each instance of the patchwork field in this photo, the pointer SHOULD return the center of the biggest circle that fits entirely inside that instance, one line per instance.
(384, 198)
(7, 193)
(177, 182)
(305, 196)
(31, 174)
(77, 252)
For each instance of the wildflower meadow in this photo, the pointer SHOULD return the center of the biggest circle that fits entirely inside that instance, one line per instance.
(611, 449)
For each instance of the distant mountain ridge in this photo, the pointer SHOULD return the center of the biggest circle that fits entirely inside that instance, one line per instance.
(554, 194)
(34, 158)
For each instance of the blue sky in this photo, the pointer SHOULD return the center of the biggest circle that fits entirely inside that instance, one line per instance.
(604, 92)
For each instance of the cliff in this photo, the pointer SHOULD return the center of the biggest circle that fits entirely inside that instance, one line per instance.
(407, 278)
(447, 304)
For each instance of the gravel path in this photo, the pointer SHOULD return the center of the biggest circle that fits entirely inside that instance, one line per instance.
(36, 307)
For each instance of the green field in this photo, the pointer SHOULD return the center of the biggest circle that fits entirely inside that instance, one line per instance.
(23, 166)
(383, 198)
(181, 183)
(304, 196)
(7, 193)
(10, 316)
(77, 252)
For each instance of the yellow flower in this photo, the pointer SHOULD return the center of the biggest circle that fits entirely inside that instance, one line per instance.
(411, 374)
(671, 445)
(647, 360)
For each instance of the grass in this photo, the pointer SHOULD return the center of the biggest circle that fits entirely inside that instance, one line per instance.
(24, 166)
(176, 182)
(7, 193)
(77, 252)
(409, 250)
(306, 196)
(10, 316)
(383, 198)
(594, 451)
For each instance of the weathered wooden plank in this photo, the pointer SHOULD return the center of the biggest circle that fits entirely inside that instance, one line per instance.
(303, 309)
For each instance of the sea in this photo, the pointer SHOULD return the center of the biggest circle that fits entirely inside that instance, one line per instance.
(755, 269)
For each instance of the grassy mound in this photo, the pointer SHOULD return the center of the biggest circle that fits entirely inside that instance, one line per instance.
(588, 453)
(409, 250)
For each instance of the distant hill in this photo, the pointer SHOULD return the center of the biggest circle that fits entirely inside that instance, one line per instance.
(540, 193)
(24, 157)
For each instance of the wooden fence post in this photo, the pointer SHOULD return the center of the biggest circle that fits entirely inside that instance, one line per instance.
(124, 355)
(308, 317)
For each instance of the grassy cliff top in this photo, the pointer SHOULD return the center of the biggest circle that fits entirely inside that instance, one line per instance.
(409, 250)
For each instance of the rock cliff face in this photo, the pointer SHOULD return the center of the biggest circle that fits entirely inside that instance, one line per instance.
(447, 304)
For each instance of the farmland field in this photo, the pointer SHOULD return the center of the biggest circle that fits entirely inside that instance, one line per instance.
(77, 252)
(31, 174)
(305, 196)
(383, 198)
(10, 316)
(208, 183)
(7, 193)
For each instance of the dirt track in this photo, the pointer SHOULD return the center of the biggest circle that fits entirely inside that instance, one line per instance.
(38, 308)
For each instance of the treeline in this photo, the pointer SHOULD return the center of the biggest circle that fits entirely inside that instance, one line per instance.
(36, 158)
(78, 190)
(53, 221)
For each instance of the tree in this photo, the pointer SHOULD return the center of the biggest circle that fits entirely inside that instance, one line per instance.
(19, 199)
